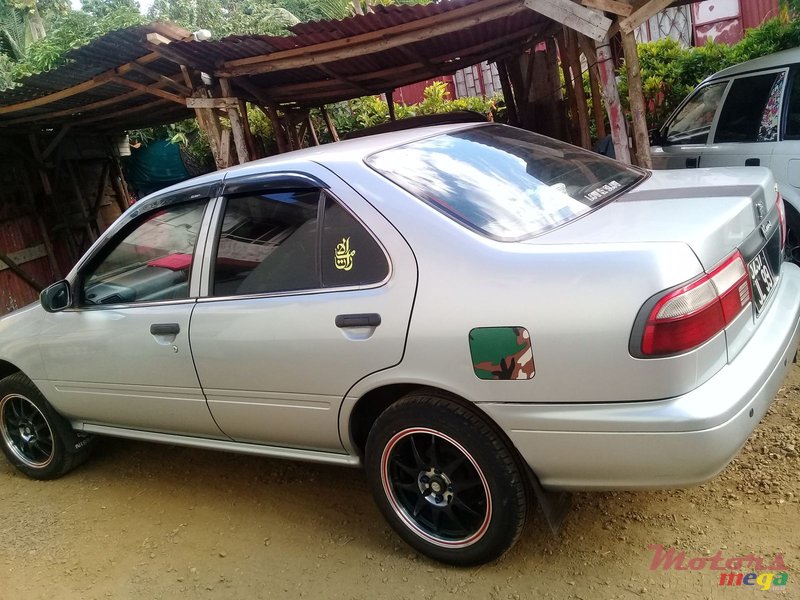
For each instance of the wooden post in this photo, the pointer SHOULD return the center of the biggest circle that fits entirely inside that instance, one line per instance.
(76, 188)
(588, 49)
(239, 138)
(272, 113)
(252, 146)
(636, 96)
(329, 123)
(51, 256)
(508, 95)
(390, 103)
(572, 100)
(573, 58)
(619, 132)
(101, 190)
(311, 130)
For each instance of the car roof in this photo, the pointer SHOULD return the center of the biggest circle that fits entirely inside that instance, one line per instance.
(771, 61)
(353, 150)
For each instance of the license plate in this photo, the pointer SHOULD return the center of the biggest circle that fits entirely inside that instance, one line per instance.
(762, 280)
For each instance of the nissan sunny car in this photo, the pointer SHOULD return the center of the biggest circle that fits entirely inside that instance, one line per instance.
(470, 312)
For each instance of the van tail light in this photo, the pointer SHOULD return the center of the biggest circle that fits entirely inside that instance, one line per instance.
(694, 313)
(782, 219)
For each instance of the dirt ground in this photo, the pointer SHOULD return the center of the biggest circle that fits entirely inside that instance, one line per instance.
(146, 522)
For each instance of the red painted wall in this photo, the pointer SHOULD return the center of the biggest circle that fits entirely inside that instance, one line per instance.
(413, 93)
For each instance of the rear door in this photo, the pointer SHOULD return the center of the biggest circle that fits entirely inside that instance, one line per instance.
(310, 290)
(746, 132)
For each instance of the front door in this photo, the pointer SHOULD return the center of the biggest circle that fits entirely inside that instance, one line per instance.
(305, 300)
(686, 134)
(121, 356)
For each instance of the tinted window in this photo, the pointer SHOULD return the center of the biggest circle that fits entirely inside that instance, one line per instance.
(268, 244)
(504, 182)
(152, 262)
(750, 113)
(692, 124)
(793, 114)
(350, 255)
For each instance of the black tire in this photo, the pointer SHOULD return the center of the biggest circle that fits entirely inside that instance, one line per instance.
(33, 436)
(793, 235)
(446, 479)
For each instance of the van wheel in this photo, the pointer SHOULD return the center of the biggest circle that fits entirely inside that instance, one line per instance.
(31, 432)
(793, 235)
(446, 479)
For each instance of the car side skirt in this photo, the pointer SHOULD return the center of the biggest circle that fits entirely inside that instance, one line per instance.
(222, 445)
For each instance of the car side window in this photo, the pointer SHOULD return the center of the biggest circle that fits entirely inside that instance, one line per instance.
(150, 262)
(752, 109)
(692, 124)
(271, 242)
(793, 112)
(350, 255)
(268, 243)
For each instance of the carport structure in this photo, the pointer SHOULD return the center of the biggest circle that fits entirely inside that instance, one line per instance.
(154, 74)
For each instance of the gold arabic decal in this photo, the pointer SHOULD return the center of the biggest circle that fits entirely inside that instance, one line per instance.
(344, 256)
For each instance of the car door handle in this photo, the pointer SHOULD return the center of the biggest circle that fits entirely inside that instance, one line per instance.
(691, 163)
(358, 320)
(752, 162)
(165, 329)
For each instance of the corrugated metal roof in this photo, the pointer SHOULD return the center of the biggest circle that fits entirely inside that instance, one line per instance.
(371, 72)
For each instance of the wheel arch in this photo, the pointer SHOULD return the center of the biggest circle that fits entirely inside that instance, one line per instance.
(7, 368)
(370, 405)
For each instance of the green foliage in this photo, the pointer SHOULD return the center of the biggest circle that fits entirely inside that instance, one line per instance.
(225, 17)
(670, 72)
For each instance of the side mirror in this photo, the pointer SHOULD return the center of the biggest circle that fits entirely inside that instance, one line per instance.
(56, 297)
(656, 139)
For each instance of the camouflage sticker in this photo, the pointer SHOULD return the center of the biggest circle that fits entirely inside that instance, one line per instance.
(501, 353)
(343, 257)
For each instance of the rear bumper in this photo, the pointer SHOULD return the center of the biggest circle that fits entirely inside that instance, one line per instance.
(677, 442)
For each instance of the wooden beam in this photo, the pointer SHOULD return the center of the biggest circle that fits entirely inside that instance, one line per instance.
(56, 141)
(150, 89)
(280, 138)
(94, 82)
(20, 257)
(583, 20)
(643, 14)
(225, 103)
(376, 41)
(636, 97)
(333, 74)
(21, 273)
(612, 6)
(116, 114)
(155, 76)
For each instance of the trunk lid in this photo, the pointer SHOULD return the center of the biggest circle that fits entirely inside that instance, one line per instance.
(713, 211)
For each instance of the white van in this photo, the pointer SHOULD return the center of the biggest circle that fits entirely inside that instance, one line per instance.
(745, 115)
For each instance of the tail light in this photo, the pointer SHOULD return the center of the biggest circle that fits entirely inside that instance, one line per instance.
(781, 218)
(689, 316)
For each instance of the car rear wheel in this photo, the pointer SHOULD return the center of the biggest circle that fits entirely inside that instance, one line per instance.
(32, 434)
(446, 479)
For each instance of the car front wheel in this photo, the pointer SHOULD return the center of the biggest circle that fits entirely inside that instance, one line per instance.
(32, 433)
(446, 479)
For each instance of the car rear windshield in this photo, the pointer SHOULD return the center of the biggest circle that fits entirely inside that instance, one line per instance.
(506, 183)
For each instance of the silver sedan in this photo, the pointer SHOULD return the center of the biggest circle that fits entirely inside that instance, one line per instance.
(470, 312)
